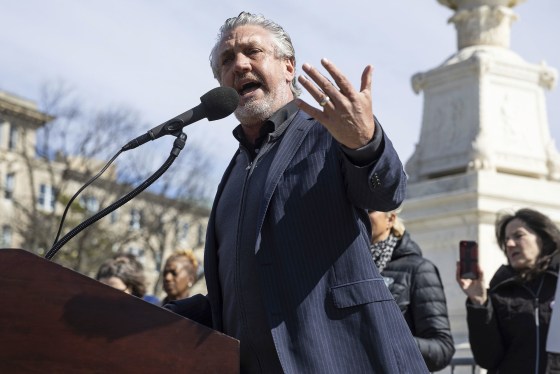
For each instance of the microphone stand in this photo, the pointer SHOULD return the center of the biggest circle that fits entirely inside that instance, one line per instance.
(178, 145)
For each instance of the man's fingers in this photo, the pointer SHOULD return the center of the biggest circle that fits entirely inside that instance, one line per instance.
(323, 85)
(367, 79)
(322, 98)
(316, 75)
(345, 111)
(340, 79)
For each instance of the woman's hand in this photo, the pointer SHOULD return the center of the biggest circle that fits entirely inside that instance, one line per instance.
(473, 288)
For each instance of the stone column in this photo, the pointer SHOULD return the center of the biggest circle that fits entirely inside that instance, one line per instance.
(480, 22)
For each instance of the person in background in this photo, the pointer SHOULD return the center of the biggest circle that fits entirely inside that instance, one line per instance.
(287, 262)
(508, 323)
(415, 283)
(139, 268)
(179, 275)
(123, 274)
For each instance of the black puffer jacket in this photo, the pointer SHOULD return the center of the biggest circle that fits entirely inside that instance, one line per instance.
(416, 286)
(503, 334)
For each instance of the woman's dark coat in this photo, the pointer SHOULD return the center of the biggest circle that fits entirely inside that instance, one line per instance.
(503, 333)
(416, 286)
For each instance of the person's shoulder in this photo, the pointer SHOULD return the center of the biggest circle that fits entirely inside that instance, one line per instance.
(301, 115)
(417, 264)
(555, 263)
(406, 247)
(406, 261)
(302, 120)
(422, 264)
(504, 273)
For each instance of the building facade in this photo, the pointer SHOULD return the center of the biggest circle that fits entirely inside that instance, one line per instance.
(36, 189)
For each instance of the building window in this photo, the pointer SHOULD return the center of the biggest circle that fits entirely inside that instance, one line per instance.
(201, 235)
(183, 231)
(9, 184)
(135, 219)
(3, 124)
(13, 138)
(89, 203)
(6, 239)
(47, 197)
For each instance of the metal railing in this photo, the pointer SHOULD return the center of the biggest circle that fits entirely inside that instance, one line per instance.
(462, 361)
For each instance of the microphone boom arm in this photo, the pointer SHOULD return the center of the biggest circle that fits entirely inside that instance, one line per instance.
(178, 145)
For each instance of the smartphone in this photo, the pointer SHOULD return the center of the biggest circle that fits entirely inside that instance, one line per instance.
(468, 259)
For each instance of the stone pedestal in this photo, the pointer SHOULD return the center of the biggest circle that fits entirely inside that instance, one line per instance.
(484, 146)
(484, 108)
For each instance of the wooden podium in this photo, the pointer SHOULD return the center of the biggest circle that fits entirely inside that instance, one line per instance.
(55, 320)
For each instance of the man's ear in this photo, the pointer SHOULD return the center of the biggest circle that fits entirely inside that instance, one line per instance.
(290, 69)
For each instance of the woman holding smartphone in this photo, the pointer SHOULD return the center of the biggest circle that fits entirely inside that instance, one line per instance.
(508, 323)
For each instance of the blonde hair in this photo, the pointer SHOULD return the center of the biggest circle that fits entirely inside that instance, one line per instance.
(185, 255)
(398, 224)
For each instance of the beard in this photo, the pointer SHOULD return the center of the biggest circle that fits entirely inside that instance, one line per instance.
(255, 110)
(258, 110)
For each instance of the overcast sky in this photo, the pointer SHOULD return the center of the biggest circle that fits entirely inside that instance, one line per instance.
(152, 56)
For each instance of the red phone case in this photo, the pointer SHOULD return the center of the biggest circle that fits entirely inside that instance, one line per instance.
(468, 259)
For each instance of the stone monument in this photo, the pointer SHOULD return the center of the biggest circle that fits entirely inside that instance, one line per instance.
(484, 146)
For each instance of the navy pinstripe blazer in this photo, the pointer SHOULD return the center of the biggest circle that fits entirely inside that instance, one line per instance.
(328, 308)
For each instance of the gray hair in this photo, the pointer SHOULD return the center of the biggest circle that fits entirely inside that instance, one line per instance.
(283, 43)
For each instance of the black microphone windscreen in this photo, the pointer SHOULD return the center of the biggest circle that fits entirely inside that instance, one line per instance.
(220, 102)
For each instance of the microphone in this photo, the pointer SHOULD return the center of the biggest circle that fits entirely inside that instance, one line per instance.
(217, 103)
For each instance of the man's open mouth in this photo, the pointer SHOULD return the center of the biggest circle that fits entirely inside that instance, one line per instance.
(249, 87)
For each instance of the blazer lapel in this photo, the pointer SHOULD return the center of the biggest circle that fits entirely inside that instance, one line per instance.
(289, 145)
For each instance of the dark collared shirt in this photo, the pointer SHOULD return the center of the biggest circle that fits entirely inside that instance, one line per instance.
(271, 130)
(244, 314)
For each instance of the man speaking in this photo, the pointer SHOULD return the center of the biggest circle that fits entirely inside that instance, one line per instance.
(287, 260)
